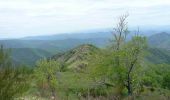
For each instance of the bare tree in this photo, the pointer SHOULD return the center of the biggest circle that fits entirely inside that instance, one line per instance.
(120, 32)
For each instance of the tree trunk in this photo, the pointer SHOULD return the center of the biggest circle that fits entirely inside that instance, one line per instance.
(51, 88)
(129, 81)
(129, 86)
(53, 94)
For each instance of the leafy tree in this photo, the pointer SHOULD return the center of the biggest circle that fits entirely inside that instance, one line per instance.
(46, 74)
(134, 53)
(157, 76)
(127, 53)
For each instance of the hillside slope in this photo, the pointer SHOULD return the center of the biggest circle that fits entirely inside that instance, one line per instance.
(78, 57)
(158, 56)
(28, 56)
(161, 40)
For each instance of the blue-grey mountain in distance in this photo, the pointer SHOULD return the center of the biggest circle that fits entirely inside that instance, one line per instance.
(99, 33)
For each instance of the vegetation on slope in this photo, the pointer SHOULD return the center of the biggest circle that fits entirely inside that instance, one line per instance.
(28, 56)
(77, 58)
(158, 56)
(14, 81)
(161, 40)
(98, 80)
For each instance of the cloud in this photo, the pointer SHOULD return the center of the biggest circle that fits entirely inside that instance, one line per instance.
(36, 17)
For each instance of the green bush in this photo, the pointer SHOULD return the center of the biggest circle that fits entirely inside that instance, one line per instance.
(14, 81)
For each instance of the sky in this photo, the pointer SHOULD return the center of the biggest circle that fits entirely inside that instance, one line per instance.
(21, 18)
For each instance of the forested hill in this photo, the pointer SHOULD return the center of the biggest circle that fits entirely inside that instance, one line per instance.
(161, 40)
(158, 55)
(77, 58)
(28, 56)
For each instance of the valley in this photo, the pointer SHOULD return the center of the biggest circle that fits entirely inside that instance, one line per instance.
(28, 50)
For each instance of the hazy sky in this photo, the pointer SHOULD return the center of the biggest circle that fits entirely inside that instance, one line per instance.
(19, 18)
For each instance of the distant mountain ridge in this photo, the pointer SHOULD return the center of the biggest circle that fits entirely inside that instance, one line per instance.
(99, 33)
(106, 33)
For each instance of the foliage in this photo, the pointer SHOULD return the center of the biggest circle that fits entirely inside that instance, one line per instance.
(77, 58)
(28, 56)
(158, 56)
(99, 80)
(14, 81)
(166, 81)
(160, 40)
(46, 74)
(128, 54)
